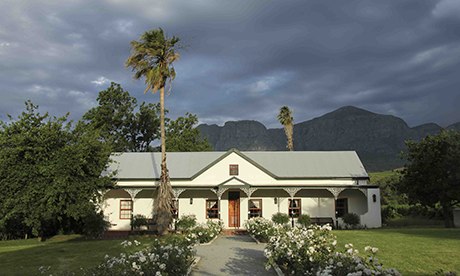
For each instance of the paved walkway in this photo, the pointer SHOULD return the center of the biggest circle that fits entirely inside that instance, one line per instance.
(232, 255)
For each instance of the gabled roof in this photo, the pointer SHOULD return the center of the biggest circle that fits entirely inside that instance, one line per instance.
(278, 164)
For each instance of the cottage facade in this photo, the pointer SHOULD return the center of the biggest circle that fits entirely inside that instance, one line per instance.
(234, 186)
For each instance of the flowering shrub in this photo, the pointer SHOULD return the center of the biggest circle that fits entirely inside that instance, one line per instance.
(204, 233)
(186, 223)
(311, 251)
(280, 218)
(169, 256)
(301, 251)
(260, 228)
(350, 263)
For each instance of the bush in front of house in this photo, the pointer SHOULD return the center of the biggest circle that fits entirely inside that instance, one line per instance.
(172, 255)
(350, 262)
(138, 221)
(280, 218)
(94, 225)
(351, 220)
(304, 220)
(312, 251)
(205, 232)
(260, 228)
(186, 223)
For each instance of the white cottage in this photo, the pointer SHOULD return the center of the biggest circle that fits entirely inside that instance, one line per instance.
(235, 186)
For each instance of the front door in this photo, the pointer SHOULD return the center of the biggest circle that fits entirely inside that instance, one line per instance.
(234, 209)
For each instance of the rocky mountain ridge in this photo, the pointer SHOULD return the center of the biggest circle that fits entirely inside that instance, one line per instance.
(378, 139)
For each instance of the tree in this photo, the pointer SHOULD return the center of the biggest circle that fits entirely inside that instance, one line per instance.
(432, 175)
(50, 174)
(152, 58)
(286, 119)
(118, 124)
(182, 136)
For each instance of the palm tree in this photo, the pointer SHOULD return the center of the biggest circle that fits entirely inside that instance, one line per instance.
(286, 119)
(152, 58)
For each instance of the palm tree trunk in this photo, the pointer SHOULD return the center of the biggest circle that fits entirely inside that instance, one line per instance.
(289, 130)
(163, 216)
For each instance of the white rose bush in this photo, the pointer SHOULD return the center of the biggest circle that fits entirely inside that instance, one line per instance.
(312, 251)
(260, 228)
(170, 256)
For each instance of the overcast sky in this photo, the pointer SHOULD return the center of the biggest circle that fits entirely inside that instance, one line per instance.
(242, 59)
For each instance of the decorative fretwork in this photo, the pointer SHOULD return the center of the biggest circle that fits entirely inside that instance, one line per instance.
(133, 192)
(248, 190)
(177, 192)
(292, 191)
(220, 191)
(335, 191)
(364, 191)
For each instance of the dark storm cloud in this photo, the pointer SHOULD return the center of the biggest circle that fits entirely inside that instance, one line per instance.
(242, 59)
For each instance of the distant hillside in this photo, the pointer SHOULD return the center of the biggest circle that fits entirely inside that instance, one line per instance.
(378, 139)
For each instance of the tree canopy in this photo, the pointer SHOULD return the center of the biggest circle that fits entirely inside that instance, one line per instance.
(181, 135)
(121, 123)
(50, 174)
(432, 174)
(286, 119)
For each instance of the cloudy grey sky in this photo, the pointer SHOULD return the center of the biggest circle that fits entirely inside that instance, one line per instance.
(243, 59)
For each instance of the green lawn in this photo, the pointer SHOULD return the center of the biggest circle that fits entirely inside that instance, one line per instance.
(63, 253)
(413, 251)
(377, 176)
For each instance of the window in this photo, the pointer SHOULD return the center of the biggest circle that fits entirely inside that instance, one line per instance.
(255, 208)
(294, 207)
(341, 207)
(233, 169)
(175, 208)
(212, 209)
(126, 209)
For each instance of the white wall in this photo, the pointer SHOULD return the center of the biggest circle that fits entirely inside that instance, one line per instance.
(372, 219)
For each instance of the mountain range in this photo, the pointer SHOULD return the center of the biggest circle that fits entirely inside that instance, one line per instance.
(378, 139)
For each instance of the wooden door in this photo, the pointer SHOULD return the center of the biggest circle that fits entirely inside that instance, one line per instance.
(234, 209)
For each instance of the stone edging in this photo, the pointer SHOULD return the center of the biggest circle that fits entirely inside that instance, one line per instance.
(211, 241)
(194, 263)
(278, 270)
(254, 238)
(275, 266)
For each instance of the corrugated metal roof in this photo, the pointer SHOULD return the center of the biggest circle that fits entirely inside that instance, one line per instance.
(296, 164)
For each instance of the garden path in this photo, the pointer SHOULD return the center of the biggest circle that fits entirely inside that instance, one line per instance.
(232, 255)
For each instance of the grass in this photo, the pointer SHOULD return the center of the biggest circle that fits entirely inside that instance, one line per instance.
(64, 253)
(413, 251)
(376, 177)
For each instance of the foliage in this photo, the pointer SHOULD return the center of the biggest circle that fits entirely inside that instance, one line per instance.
(301, 251)
(139, 221)
(304, 220)
(205, 232)
(286, 119)
(186, 223)
(171, 256)
(280, 218)
(119, 125)
(432, 174)
(182, 136)
(312, 251)
(350, 263)
(94, 225)
(50, 174)
(413, 251)
(152, 58)
(260, 228)
(351, 219)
